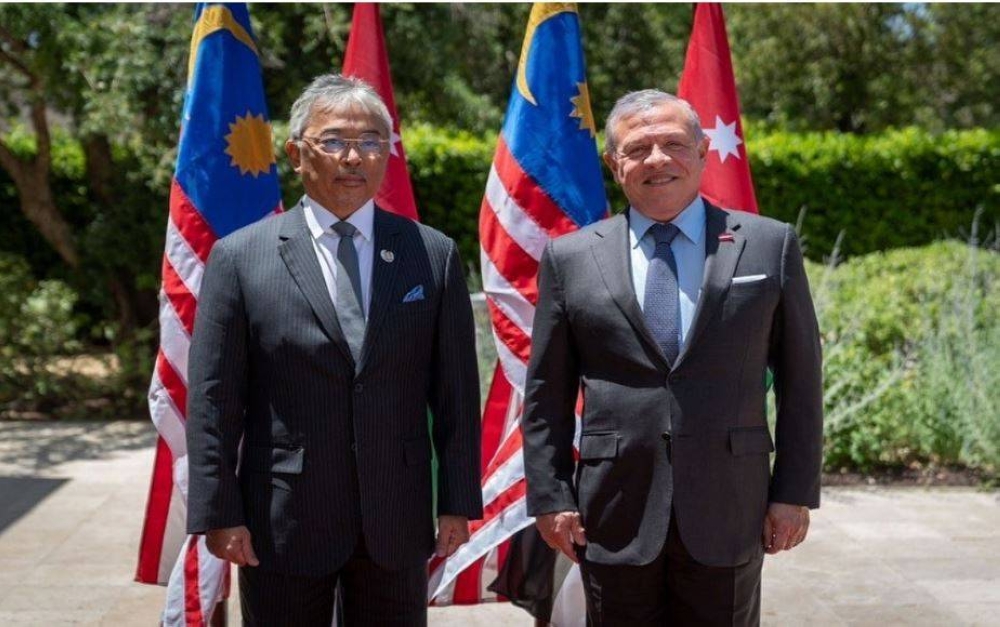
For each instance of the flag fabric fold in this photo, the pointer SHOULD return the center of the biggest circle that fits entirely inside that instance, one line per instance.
(225, 178)
(545, 181)
(708, 83)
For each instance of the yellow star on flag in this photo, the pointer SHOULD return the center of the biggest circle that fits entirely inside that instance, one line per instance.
(249, 145)
(581, 104)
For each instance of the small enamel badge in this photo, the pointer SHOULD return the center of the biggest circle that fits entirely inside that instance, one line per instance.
(387, 256)
(726, 237)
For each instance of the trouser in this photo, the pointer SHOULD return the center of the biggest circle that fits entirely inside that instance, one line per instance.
(370, 595)
(673, 590)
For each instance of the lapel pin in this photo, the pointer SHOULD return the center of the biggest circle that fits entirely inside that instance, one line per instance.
(387, 256)
(726, 237)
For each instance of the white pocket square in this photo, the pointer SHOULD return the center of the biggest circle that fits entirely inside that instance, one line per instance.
(750, 278)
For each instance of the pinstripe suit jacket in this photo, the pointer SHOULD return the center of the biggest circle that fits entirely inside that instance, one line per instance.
(692, 439)
(329, 448)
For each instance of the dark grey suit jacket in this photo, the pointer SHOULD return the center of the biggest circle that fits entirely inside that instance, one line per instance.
(693, 438)
(331, 449)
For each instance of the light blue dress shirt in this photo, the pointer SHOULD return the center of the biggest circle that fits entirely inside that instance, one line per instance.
(689, 253)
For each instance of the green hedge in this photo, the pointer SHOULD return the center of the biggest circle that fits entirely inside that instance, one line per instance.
(449, 171)
(901, 188)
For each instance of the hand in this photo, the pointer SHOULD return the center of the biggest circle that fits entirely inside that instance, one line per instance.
(785, 527)
(453, 532)
(561, 530)
(231, 544)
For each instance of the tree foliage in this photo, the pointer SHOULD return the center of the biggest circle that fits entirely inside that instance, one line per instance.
(110, 78)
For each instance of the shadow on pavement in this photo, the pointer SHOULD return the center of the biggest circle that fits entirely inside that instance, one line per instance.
(20, 494)
(27, 448)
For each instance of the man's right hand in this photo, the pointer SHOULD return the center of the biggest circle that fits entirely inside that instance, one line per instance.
(231, 544)
(561, 530)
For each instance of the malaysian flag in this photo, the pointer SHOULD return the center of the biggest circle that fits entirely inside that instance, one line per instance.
(225, 179)
(545, 181)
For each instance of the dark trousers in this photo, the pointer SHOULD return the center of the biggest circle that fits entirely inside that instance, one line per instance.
(672, 590)
(371, 596)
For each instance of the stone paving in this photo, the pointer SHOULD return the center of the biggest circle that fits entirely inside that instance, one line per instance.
(71, 508)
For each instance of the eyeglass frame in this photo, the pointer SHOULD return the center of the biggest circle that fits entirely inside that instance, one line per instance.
(348, 144)
(682, 150)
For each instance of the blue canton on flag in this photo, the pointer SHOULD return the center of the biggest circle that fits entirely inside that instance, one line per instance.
(545, 181)
(226, 178)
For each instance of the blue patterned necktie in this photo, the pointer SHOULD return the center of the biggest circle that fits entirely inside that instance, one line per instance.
(662, 306)
(350, 312)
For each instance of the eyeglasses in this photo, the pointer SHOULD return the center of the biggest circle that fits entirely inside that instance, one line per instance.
(641, 152)
(366, 146)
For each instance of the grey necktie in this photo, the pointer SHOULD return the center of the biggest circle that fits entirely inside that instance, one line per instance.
(350, 310)
(662, 305)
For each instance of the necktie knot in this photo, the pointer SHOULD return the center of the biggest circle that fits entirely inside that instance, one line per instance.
(664, 233)
(345, 229)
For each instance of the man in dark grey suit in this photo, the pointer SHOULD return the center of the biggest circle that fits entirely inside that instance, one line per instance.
(323, 336)
(667, 318)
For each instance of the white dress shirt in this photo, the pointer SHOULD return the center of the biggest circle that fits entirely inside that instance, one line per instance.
(689, 253)
(325, 241)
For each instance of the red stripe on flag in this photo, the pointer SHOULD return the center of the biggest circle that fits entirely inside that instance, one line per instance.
(494, 415)
(496, 507)
(180, 297)
(172, 382)
(510, 447)
(192, 591)
(513, 337)
(468, 584)
(528, 195)
(190, 223)
(157, 509)
(517, 266)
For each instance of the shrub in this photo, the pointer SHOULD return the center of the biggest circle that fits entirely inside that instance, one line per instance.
(911, 347)
(899, 188)
(449, 171)
(37, 324)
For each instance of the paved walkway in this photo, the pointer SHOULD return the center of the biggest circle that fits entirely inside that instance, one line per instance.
(72, 498)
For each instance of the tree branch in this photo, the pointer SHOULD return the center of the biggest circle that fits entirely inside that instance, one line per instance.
(16, 45)
(18, 65)
(10, 162)
(43, 139)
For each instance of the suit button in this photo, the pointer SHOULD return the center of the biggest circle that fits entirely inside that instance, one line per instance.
(354, 447)
(673, 377)
(666, 437)
(358, 388)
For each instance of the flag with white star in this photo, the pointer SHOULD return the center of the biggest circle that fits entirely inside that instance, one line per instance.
(366, 58)
(709, 85)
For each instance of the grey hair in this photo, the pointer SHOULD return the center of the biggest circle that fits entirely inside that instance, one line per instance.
(645, 100)
(331, 91)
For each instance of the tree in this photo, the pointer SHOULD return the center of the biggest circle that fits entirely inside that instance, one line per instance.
(97, 74)
(866, 67)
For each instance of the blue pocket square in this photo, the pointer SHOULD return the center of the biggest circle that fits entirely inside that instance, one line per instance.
(414, 295)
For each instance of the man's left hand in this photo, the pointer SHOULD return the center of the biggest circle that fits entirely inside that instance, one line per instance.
(453, 532)
(785, 527)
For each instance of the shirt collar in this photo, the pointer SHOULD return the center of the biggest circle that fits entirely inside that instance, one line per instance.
(690, 222)
(320, 220)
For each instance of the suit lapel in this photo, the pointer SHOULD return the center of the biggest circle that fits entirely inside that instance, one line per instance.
(721, 257)
(384, 274)
(611, 252)
(297, 251)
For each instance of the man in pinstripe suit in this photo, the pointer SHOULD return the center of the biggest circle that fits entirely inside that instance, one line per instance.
(322, 338)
